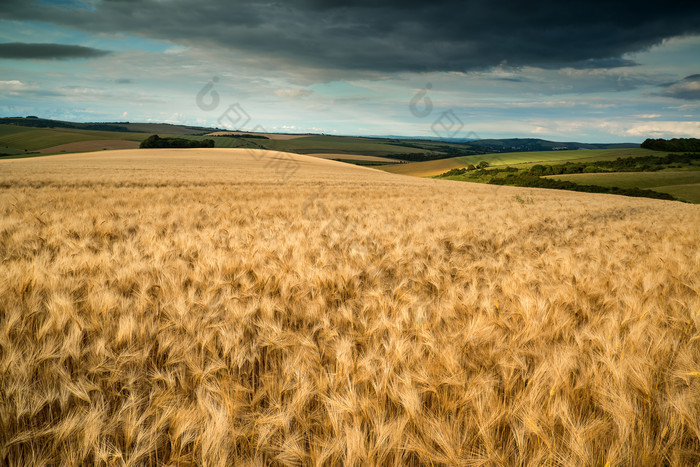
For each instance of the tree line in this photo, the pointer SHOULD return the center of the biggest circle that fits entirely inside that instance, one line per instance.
(154, 141)
(674, 145)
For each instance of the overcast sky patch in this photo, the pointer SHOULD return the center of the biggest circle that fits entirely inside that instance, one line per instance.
(25, 51)
(506, 68)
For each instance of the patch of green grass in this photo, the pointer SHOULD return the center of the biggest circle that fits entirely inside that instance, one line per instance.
(32, 139)
(338, 145)
(7, 151)
(323, 144)
(316, 145)
(684, 184)
(6, 130)
(634, 179)
(528, 159)
(552, 157)
(689, 192)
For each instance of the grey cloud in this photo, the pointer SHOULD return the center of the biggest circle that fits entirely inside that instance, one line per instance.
(603, 63)
(394, 35)
(541, 81)
(21, 50)
(688, 88)
(511, 79)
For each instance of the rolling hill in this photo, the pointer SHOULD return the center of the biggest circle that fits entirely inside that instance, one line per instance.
(19, 140)
(515, 159)
(24, 135)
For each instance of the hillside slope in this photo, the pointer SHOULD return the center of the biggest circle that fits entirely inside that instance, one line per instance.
(437, 167)
(684, 184)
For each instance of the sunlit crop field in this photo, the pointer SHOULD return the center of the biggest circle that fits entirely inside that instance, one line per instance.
(515, 159)
(229, 307)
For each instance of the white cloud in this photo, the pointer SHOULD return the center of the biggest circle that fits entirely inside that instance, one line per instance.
(664, 129)
(14, 86)
(293, 93)
(176, 50)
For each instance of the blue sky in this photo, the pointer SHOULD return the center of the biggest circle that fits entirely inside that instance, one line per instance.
(286, 79)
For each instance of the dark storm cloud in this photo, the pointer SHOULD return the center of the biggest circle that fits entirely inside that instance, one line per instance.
(688, 88)
(20, 50)
(592, 63)
(389, 36)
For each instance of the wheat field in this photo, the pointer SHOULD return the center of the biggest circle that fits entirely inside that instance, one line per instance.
(228, 307)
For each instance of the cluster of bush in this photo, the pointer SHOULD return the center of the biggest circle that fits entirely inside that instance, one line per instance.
(154, 141)
(675, 144)
(473, 168)
(533, 181)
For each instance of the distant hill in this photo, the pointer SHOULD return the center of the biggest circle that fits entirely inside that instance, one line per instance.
(534, 144)
(36, 122)
(513, 144)
(22, 135)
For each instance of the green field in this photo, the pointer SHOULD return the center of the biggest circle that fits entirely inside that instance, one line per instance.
(321, 144)
(17, 139)
(32, 139)
(339, 145)
(683, 184)
(515, 159)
